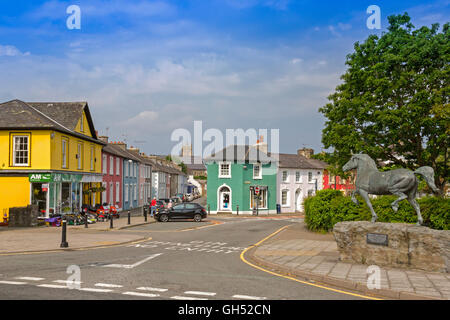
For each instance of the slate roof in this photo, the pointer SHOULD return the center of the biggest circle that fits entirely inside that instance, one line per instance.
(60, 116)
(118, 151)
(241, 153)
(300, 162)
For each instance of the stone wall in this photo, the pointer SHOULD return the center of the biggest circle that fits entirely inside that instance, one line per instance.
(23, 216)
(393, 245)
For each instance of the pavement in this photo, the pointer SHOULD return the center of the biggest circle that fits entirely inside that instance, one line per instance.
(315, 258)
(44, 238)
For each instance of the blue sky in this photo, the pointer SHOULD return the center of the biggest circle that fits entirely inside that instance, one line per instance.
(149, 67)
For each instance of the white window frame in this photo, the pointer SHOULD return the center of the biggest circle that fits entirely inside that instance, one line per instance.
(117, 166)
(111, 165)
(92, 158)
(14, 151)
(111, 193)
(265, 199)
(80, 156)
(310, 177)
(104, 193)
(287, 176)
(135, 193)
(287, 198)
(299, 175)
(117, 192)
(126, 192)
(64, 149)
(105, 163)
(220, 170)
(259, 166)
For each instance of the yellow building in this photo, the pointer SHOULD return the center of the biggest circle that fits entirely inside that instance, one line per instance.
(49, 156)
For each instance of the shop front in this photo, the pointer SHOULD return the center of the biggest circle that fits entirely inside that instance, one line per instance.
(60, 193)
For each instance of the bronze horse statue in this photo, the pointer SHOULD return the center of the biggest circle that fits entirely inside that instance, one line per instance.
(400, 182)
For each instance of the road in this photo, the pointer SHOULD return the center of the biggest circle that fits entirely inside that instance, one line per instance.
(183, 260)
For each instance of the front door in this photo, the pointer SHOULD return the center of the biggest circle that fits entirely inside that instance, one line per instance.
(298, 200)
(225, 201)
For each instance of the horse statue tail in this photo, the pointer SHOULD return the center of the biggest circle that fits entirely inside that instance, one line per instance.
(428, 174)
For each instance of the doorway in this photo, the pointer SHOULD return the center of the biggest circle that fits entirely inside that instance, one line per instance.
(224, 198)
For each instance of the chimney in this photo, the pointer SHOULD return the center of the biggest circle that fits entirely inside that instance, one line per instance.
(103, 138)
(122, 145)
(134, 149)
(306, 152)
(261, 145)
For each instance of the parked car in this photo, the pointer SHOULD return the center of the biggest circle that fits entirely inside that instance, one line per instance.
(182, 211)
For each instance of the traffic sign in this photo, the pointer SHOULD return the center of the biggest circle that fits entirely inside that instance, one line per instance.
(256, 190)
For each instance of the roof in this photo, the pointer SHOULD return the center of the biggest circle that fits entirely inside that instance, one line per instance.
(60, 116)
(241, 153)
(300, 162)
(118, 151)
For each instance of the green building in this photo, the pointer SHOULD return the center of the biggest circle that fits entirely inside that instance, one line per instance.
(233, 175)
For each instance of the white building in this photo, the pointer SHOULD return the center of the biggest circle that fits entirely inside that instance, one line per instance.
(298, 177)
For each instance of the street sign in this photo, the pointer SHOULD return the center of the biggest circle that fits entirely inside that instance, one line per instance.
(45, 187)
(256, 190)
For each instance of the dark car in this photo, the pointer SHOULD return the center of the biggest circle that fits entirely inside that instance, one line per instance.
(182, 211)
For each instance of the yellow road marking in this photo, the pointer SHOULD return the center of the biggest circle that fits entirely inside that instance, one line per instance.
(291, 278)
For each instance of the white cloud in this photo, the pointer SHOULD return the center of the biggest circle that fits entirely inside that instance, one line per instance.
(11, 51)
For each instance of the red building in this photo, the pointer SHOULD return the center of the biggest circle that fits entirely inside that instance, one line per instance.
(336, 182)
(112, 169)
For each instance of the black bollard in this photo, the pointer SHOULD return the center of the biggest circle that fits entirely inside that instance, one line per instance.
(145, 213)
(209, 211)
(129, 217)
(111, 221)
(64, 243)
(85, 220)
(237, 209)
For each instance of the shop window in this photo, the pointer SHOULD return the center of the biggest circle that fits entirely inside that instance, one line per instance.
(262, 199)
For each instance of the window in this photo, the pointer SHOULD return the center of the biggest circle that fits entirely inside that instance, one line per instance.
(82, 122)
(285, 176)
(297, 176)
(141, 195)
(117, 192)
(79, 156)
(310, 177)
(126, 193)
(92, 158)
(118, 166)
(262, 204)
(224, 170)
(125, 166)
(111, 165)
(64, 146)
(21, 150)
(284, 197)
(104, 192)
(104, 163)
(257, 174)
(134, 192)
(111, 193)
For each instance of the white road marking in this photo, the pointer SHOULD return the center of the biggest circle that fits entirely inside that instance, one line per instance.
(152, 289)
(67, 281)
(131, 266)
(186, 298)
(95, 290)
(141, 294)
(29, 278)
(54, 286)
(201, 293)
(13, 282)
(238, 296)
(108, 285)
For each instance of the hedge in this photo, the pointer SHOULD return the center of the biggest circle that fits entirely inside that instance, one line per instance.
(328, 207)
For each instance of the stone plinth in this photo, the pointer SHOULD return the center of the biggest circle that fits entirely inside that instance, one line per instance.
(393, 245)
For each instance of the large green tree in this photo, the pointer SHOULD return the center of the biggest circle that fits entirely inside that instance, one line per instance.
(393, 103)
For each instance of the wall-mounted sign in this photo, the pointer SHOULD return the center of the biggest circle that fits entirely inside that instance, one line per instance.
(40, 177)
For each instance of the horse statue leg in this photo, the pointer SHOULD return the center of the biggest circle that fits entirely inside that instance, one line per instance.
(354, 192)
(366, 198)
(401, 196)
(415, 205)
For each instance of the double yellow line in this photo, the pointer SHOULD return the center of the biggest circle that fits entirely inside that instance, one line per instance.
(291, 278)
